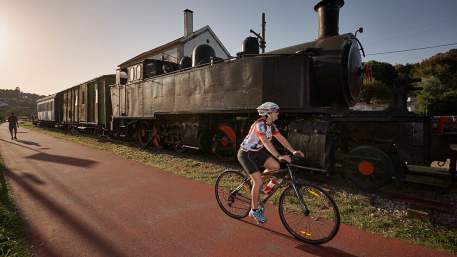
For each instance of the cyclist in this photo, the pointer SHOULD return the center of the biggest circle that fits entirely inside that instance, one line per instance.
(252, 154)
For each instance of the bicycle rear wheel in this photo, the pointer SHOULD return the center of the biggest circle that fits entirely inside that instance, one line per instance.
(233, 194)
(322, 222)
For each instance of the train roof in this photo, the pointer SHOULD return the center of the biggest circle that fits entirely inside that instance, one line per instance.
(46, 98)
(90, 80)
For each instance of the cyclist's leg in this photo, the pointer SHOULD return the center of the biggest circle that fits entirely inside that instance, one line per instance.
(256, 212)
(271, 165)
(249, 164)
(256, 184)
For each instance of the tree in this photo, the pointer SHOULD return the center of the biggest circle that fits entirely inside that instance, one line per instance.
(439, 75)
(442, 66)
(375, 90)
(380, 87)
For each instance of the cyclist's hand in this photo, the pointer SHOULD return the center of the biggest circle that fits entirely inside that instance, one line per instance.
(299, 154)
(285, 158)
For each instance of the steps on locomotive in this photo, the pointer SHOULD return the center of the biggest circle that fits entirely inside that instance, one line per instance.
(432, 171)
(433, 176)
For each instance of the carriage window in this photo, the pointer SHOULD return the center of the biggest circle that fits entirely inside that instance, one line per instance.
(83, 98)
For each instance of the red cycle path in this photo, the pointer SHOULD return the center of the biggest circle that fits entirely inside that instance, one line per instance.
(78, 201)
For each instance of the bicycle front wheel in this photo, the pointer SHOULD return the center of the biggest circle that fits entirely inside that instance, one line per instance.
(318, 226)
(233, 194)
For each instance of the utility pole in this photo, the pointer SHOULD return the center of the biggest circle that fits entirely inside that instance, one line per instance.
(261, 38)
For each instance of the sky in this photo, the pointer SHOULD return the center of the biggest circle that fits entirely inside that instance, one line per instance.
(50, 45)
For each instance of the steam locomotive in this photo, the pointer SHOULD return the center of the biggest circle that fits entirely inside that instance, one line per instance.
(208, 103)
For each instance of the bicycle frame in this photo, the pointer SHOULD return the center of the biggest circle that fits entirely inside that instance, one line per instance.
(290, 178)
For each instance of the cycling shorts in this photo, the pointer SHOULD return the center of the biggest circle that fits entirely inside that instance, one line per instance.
(253, 161)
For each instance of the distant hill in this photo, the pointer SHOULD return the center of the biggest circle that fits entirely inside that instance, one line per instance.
(13, 100)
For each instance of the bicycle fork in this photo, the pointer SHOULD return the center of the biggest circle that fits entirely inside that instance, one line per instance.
(298, 194)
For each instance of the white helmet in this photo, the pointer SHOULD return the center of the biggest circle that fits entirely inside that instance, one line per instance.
(267, 108)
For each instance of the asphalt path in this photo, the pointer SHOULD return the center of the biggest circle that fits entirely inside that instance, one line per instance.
(78, 201)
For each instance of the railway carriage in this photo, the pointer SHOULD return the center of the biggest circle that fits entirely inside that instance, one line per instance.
(84, 106)
(88, 105)
(47, 112)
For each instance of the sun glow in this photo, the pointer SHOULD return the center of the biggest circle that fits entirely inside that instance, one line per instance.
(3, 37)
(3, 43)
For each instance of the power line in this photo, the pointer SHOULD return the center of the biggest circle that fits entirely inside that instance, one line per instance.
(413, 49)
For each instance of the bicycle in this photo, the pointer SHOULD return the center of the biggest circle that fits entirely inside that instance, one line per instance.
(306, 211)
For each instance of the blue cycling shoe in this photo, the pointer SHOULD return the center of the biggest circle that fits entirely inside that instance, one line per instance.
(258, 216)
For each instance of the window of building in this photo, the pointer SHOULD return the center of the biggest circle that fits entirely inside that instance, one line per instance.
(131, 74)
(138, 72)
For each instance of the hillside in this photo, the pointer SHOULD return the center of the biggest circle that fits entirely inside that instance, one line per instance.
(22, 104)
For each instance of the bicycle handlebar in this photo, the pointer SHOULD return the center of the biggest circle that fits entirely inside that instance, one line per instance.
(293, 159)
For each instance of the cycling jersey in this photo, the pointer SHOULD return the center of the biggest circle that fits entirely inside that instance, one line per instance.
(260, 127)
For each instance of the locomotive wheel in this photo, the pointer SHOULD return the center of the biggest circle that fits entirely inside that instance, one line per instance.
(73, 131)
(223, 147)
(175, 140)
(143, 134)
(369, 168)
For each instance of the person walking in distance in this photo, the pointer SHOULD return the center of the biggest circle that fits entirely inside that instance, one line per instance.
(13, 125)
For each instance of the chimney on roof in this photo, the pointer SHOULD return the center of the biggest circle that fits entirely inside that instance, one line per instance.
(188, 22)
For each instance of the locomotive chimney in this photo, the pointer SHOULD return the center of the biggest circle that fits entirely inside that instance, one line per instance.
(188, 22)
(328, 11)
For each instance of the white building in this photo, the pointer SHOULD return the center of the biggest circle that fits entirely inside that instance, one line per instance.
(177, 49)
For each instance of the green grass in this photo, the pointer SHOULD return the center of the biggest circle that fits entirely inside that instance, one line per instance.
(354, 206)
(356, 210)
(12, 232)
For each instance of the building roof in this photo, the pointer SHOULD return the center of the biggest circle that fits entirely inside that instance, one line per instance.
(173, 43)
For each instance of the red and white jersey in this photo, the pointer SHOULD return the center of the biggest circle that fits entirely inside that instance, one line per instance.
(260, 127)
